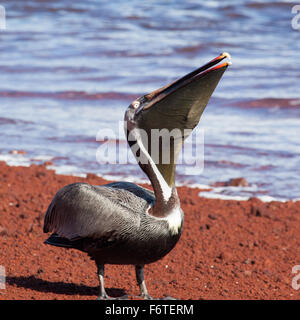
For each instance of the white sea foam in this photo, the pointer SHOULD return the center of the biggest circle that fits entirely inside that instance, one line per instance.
(42, 158)
(123, 178)
(223, 196)
(212, 195)
(195, 185)
(266, 198)
(67, 170)
(15, 160)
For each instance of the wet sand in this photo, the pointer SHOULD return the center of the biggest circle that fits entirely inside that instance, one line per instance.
(228, 250)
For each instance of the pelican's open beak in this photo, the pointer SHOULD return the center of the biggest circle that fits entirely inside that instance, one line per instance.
(178, 105)
(181, 103)
(214, 68)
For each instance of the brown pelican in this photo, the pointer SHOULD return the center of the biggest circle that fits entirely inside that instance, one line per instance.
(122, 223)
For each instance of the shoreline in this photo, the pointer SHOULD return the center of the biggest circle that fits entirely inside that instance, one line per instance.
(223, 190)
(229, 249)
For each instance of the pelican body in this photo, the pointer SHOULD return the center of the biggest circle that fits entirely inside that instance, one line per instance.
(121, 222)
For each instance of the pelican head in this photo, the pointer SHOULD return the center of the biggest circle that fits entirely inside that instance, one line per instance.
(175, 108)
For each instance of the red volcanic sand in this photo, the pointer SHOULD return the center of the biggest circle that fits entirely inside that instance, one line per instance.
(228, 250)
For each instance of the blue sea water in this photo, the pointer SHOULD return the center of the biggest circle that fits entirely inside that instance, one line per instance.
(69, 69)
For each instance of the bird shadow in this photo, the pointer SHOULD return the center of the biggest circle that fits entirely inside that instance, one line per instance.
(60, 287)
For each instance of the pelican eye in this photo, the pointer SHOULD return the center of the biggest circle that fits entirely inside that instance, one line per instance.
(135, 104)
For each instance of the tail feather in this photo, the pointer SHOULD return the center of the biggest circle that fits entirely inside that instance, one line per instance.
(56, 240)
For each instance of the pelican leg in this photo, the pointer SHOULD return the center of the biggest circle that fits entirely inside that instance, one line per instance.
(102, 294)
(139, 272)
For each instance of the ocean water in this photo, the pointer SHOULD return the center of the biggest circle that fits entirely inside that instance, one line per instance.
(69, 69)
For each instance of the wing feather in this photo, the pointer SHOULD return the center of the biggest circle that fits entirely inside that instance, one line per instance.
(81, 210)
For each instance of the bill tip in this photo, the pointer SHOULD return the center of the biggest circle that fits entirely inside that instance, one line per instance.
(226, 55)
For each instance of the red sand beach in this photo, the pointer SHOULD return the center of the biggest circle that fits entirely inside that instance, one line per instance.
(228, 250)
